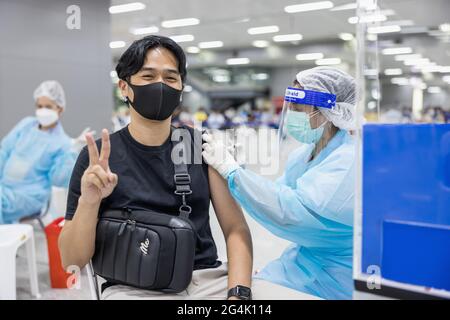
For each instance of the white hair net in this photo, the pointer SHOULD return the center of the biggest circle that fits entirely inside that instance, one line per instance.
(52, 90)
(337, 82)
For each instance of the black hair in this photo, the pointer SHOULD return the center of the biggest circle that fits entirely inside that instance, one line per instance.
(133, 58)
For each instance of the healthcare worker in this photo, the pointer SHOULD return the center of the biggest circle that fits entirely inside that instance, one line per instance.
(311, 204)
(35, 155)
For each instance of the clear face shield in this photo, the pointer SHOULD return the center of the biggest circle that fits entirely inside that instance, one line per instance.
(302, 123)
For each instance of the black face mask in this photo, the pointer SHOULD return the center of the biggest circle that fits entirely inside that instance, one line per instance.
(155, 101)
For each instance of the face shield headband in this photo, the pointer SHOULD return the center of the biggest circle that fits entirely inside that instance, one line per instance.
(309, 97)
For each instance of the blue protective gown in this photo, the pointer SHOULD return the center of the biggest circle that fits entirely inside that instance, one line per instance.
(312, 206)
(31, 162)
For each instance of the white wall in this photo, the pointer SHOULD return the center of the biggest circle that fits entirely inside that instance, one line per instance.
(36, 45)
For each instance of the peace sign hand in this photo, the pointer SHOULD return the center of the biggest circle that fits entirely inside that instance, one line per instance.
(98, 182)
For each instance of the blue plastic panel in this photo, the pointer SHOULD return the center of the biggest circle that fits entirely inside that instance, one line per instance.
(416, 253)
(406, 176)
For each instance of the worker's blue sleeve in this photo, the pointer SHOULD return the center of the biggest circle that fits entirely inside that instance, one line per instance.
(9, 141)
(63, 163)
(321, 201)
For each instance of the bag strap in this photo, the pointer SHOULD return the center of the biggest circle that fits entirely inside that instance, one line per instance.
(183, 180)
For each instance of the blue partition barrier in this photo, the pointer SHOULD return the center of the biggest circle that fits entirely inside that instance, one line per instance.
(406, 202)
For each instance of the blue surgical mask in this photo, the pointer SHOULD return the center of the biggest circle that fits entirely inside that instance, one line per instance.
(299, 127)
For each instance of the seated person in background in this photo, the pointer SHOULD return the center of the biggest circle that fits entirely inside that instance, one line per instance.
(216, 120)
(34, 156)
(135, 170)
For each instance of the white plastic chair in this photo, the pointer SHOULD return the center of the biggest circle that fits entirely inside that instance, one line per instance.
(11, 238)
(94, 286)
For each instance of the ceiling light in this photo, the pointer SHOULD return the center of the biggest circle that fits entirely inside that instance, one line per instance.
(288, 37)
(434, 90)
(445, 27)
(371, 105)
(116, 44)
(417, 62)
(134, 6)
(437, 33)
(392, 51)
(244, 20)
(187, 88)
(368, 5)
(445, 69)
(371, 72)
(180, 23)
(346, 36)
(309, 56)
(446, 79)
(404, 57)
(367, 19)
(384, 29)
(183, 38)
(348, 6)
(238, 61)
(353, 20)
(422, 86)
(260, 43)
(401, 23)
(415, 81)
(215, 71)
(387, 12)
(371, 37)
(400, 81)
(328, 61)
(210, 44)
(426, 64)
(260, 76)
(145, 30)
(262, 30)
(193, 50)
(430, 68)
(311, 6)
(393, 72)
(221, 78)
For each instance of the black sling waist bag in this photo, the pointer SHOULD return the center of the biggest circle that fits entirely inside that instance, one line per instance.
(145, 249)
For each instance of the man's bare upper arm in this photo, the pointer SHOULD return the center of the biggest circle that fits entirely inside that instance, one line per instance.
(228, 212)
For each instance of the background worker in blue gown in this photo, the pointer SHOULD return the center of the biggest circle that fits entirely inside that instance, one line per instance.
(311, 204)
(36, 155)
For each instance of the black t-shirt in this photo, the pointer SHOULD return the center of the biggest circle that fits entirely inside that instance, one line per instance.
(146, 182)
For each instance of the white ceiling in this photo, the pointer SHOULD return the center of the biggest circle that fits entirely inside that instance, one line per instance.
(224, 20)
